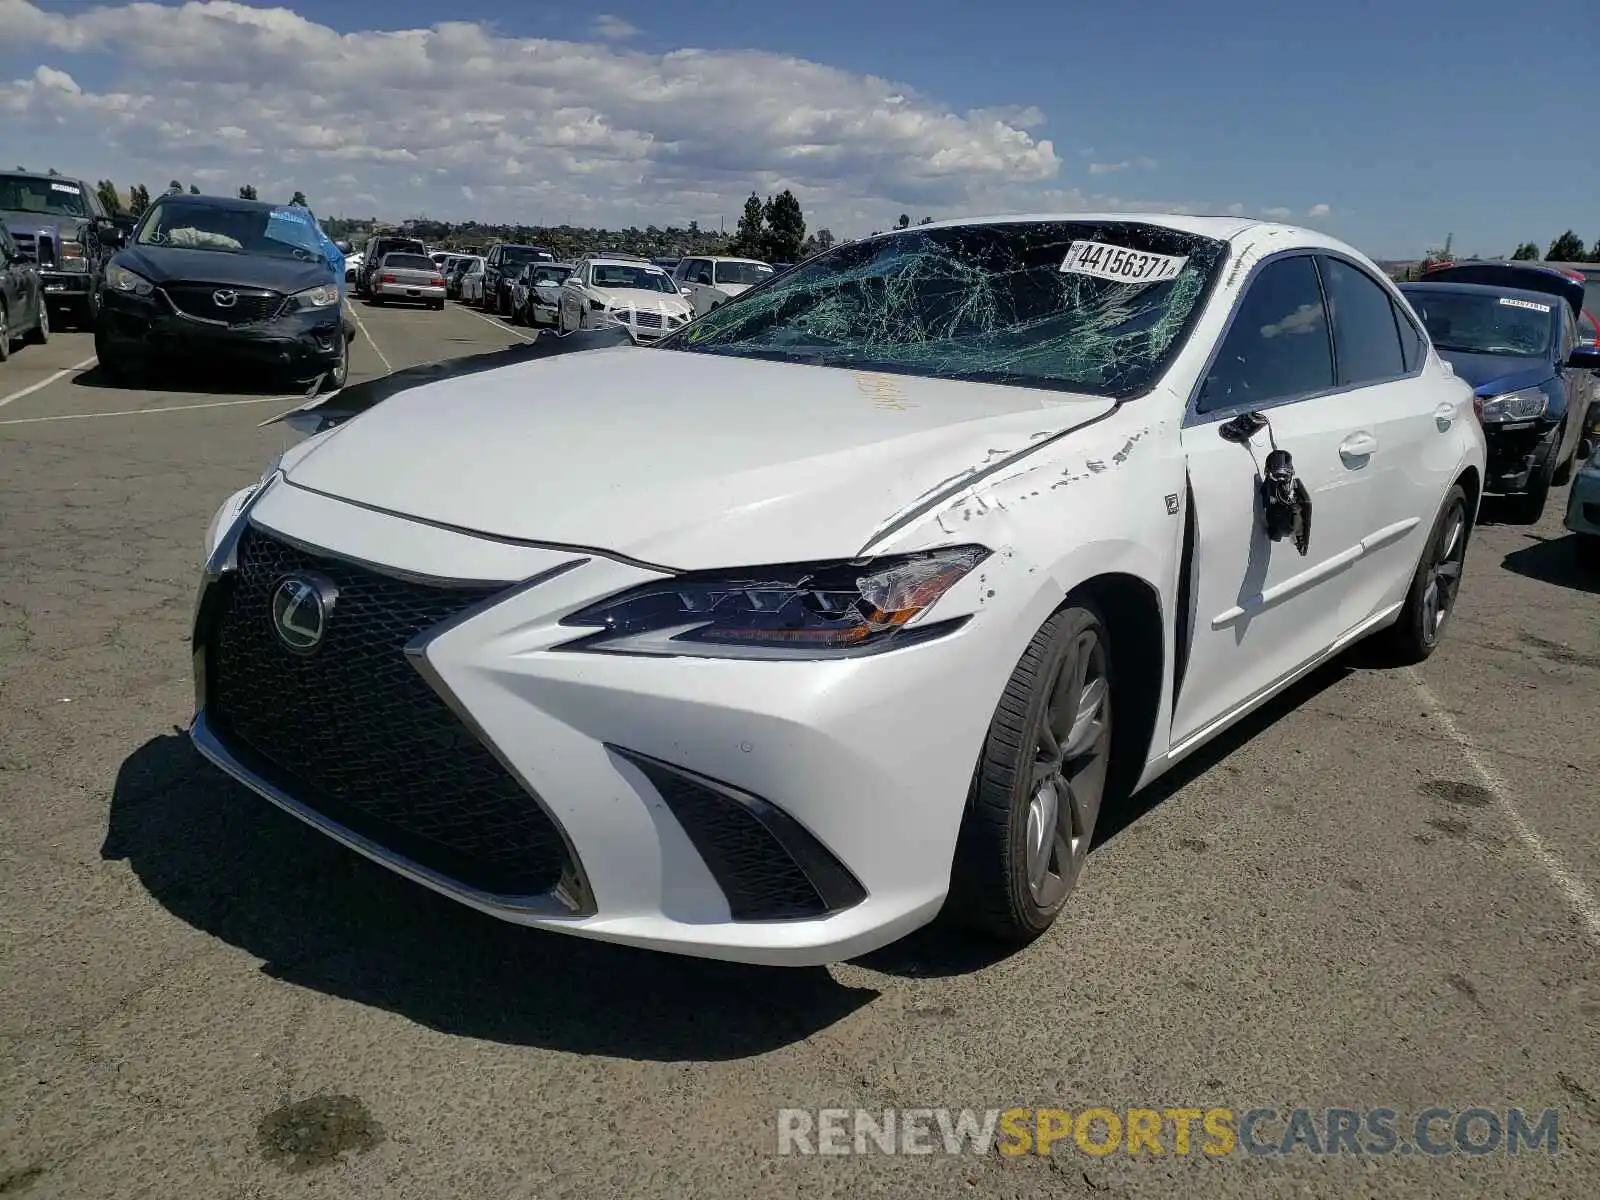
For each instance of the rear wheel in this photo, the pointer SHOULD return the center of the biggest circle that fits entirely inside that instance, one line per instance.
(5, 334)
(1431, 599)
(1039, 783)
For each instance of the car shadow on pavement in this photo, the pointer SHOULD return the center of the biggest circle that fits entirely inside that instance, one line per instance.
(208, 379)
(322, 917)
(1555, 561)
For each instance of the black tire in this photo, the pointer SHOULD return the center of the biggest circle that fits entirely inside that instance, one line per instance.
(86, 312)
(1435, 584)
(5, 334)
(40, 333)
(1035, 751)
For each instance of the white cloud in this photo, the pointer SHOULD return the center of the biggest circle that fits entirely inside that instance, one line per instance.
(1100, 168)
(1318, 210)
(1277, 213)
(541, 130)
(614, 29)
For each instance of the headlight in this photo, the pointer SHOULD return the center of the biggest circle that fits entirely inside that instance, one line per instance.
(123, 280)
(805, 610)
(324, 295)
(1515, 406)
(73, 257)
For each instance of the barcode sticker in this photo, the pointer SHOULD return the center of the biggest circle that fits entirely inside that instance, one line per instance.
(1544, 308)
(1119, 264)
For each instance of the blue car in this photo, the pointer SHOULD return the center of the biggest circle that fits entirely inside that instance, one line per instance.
(1520, 349)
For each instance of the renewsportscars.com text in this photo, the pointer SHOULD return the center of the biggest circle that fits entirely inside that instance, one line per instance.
(1374, 1132)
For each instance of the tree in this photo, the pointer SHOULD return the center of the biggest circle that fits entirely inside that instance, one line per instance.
(786, 228)
(1525, 252)
(194, 189)
(751, 233)
(52, 171)
(1566, 248)
(106, 191)
(925, 221)
(904, 222)
(174, 188)
(825, 239)
(1594, 251)
(247, 192)
(138, 200)
(299, 198)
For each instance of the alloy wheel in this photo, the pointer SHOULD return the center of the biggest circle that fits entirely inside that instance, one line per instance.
(1071, 754)
(1444, 573)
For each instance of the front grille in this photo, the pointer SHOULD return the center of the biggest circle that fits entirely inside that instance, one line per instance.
(353, 731)
(647, 320)
(199, 300)
(40, 249)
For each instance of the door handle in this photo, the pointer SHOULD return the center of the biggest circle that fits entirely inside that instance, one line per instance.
(1360, 444)
(1444, 416)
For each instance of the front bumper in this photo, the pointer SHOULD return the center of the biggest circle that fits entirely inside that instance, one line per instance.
(1583, 501)
(150, 327)
(408, 291)
(696, 800)
(66, 285)
(1514, 450)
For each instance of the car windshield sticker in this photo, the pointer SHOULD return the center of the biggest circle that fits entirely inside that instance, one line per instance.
(71, 189)
(1508, 301)
(1103, 261)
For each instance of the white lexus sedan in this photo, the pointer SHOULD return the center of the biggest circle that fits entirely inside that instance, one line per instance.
(639, 296)
(855, 600)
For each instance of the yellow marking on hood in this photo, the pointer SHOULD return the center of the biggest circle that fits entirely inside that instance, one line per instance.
(883, 390)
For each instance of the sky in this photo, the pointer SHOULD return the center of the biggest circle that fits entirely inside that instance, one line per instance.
(1388, 124)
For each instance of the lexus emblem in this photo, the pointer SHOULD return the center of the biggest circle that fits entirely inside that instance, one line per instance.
(300, 608)
(225, 298)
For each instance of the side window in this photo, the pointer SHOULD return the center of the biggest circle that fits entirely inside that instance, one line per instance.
(1365, 338)
(1410, 340)
(681, 271)
(1278, 344)
(1569, 328)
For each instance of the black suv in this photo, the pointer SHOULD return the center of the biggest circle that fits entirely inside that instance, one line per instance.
(373, 254)
(500, 267)
(60, 224)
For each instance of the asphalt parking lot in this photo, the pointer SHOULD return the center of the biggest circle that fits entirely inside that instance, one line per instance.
(1384, 892)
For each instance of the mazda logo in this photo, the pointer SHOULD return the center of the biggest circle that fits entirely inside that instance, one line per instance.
(225, 298)
(300, 608)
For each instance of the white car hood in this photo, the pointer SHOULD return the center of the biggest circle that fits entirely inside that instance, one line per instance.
(641, 298)
(681, 459)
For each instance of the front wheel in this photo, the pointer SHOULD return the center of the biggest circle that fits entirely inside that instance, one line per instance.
(1431, 599)
(1039, 783)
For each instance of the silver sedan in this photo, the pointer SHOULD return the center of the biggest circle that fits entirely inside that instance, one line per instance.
(407, 277)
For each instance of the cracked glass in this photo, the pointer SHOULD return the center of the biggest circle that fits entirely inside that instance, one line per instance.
(985, 303)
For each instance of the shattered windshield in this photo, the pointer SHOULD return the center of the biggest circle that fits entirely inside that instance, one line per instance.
(1089, 306)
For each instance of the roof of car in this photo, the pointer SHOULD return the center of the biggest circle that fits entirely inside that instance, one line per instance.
(44, 176)
(606, 260)
(1221, 227)
(234, 202)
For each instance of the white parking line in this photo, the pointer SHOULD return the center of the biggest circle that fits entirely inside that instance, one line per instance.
(362, 325)
(47, 381)
(497, 323)
(1577, 895)
(144, 412)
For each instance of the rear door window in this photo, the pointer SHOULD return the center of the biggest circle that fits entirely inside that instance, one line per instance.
(1365, 337)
